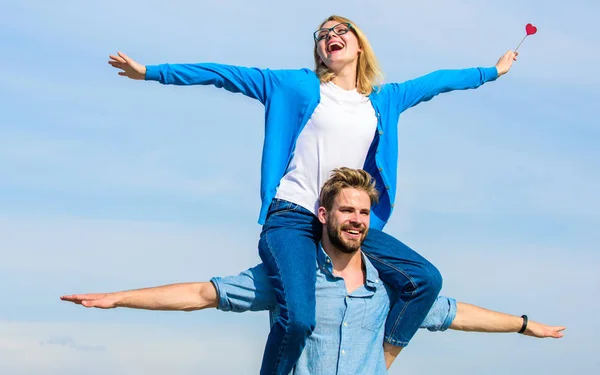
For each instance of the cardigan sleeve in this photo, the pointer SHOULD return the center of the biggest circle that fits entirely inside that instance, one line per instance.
(410, 93)
(252, 82)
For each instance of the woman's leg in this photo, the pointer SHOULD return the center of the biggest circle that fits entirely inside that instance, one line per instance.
(288, 247)
(415, 281)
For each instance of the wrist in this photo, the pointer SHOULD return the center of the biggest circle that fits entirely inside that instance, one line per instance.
(500, 71)
(120, 299)
(524, 324)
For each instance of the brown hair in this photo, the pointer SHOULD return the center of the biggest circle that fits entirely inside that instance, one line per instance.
(342, 178)
(368, 73)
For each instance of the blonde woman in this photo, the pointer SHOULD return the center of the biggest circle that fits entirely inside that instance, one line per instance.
(337, 115)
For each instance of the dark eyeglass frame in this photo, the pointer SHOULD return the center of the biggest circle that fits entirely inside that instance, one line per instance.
(330, 29)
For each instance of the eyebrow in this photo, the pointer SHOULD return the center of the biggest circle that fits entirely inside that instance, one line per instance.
(353, 208)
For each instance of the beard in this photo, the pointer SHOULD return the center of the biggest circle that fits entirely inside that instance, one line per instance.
(344, 245)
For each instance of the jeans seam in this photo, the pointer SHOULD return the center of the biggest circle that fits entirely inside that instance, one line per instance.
(401, 314)
(393, 341)
(278, 211)
(285, 337)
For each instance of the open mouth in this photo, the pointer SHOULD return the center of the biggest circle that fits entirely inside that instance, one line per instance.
(353, 232)
(335, 46)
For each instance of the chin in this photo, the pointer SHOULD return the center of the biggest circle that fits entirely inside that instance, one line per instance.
(337, 62)
(349, 247)
(348, 250)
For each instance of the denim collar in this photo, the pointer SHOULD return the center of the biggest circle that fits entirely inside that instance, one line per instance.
(325, 263)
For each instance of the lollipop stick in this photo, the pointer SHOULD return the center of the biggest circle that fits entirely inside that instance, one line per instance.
(520, 43)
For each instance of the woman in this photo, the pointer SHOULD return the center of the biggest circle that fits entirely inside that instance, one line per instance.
(315, 121)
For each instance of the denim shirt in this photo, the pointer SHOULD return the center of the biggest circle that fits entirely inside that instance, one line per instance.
(290, 97)
(348, 336)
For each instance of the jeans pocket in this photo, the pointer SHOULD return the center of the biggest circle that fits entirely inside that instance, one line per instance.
(283, 214)
(280, 207)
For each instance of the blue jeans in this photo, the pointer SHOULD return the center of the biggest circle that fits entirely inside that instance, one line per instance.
(288, 247)
(416, 284)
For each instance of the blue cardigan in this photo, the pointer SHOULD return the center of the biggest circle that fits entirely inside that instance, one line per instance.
(291, 96)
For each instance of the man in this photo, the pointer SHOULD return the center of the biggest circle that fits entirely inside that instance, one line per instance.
(352, 303)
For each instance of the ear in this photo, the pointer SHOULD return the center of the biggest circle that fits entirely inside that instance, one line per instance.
(322, 215)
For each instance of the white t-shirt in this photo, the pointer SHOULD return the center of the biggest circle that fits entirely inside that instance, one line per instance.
(338, 134)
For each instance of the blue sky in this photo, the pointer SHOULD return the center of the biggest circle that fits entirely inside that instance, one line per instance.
(109, 184)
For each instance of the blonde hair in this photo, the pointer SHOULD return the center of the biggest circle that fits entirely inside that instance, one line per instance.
(368, 73)
(342, 178)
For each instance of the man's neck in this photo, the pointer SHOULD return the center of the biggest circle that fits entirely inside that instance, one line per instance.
(349, 267)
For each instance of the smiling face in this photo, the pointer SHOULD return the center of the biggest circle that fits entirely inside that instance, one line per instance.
(337, 51)
(347, 223)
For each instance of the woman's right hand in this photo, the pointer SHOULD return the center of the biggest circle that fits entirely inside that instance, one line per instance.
(130, 67)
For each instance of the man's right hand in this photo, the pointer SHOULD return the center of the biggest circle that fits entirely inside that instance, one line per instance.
(98, 300)
(130, 68)
(540, 330)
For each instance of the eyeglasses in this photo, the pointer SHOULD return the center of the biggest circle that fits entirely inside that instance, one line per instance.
(339, 29)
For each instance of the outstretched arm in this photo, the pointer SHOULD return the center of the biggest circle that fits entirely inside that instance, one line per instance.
(252, 82)
(175, 297)
(477, 319)
(248, 291)
(447, 313)
(415, 91)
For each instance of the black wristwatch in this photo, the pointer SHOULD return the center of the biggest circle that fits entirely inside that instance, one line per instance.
(525, 320)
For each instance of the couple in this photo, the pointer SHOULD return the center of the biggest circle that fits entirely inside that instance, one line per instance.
(351, 301)
(338, 114)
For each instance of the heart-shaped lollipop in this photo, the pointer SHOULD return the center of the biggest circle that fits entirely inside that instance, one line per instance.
(529, 30)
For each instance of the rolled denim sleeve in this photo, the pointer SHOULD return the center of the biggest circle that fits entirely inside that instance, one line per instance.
(441, 315)
(247, 291)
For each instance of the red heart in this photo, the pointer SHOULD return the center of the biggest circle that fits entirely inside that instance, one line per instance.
(530, 29)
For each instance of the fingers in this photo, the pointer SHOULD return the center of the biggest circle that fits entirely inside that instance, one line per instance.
(117, 64)
(90, 300)
(70, 299)
(542, 331)
(509, 55)
(81, 297)
(557, 333)
(124, 57)
(118, 59)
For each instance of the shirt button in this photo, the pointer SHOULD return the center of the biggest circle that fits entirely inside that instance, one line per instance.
(377, 280)
(381, 132)
(343, 351)
(345, 324)
(392, 205)
(380, 169)
(387, 187)
(328, 261)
